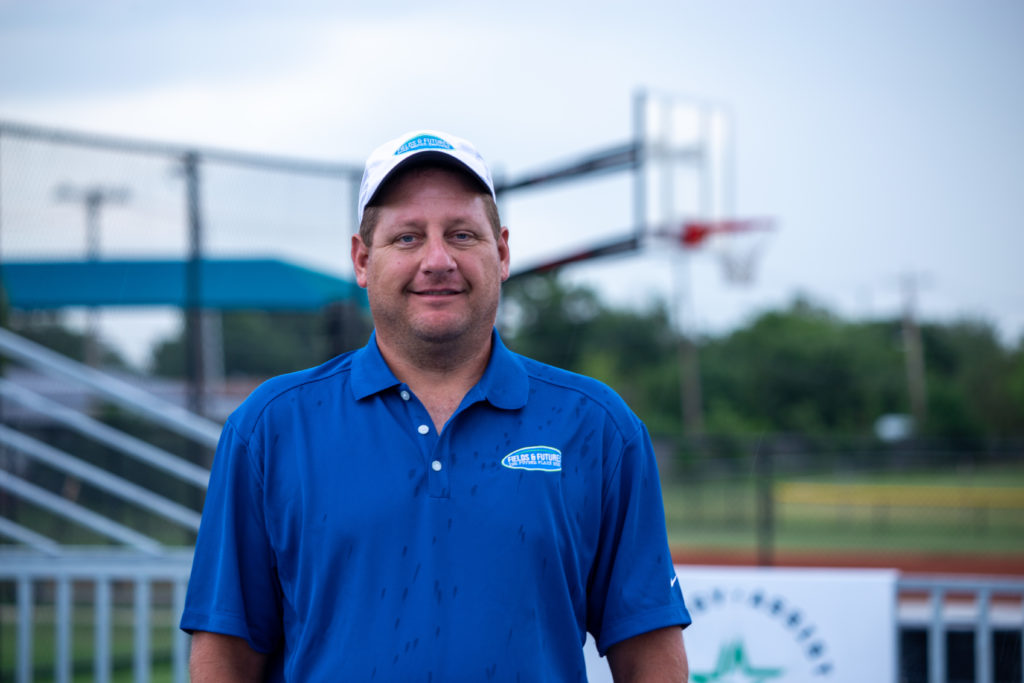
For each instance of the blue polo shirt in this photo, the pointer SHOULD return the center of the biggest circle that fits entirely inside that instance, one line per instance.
(346, 537)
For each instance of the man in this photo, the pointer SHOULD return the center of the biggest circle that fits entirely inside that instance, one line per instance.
(433, 507)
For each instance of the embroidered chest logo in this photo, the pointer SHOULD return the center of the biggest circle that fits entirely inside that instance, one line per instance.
(538, 458)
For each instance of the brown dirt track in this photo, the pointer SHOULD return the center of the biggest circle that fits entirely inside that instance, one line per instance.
(1002, 565)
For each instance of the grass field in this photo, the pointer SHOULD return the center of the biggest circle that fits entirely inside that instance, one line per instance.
(981, 511)
(163, 625)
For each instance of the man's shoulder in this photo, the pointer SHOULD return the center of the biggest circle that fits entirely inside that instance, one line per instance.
(256, 406)
(569, 387)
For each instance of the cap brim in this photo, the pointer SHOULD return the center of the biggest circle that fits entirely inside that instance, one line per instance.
(428, 158)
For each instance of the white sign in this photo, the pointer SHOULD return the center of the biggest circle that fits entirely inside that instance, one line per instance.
(782, 625)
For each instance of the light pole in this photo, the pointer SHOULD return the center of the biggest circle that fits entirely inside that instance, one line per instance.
(93, 198)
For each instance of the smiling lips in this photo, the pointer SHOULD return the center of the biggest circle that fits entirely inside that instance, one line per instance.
(436, 292)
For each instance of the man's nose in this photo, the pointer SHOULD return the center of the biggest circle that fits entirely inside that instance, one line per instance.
(437, 256)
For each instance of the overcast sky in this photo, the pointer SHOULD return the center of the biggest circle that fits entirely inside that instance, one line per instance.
(884, 138)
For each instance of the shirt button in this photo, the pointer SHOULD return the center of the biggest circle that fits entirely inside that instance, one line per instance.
(423, 429)
(405, 395)
(436, 465)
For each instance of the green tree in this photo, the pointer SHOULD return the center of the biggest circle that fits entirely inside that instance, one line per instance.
(802, 370)
(971, 381)
(267, 343)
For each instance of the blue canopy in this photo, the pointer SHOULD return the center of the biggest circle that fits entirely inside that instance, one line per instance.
(226, 284)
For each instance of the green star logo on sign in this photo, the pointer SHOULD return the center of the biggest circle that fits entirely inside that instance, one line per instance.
(733, 667)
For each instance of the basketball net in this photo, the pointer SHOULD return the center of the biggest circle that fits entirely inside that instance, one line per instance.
(737, 243)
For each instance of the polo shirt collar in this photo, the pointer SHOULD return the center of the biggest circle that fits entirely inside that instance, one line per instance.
(504, 383)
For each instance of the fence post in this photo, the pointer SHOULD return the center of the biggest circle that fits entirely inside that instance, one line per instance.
(765, 474)
(983, 638)
(102, 624)
(26, 621)
(937, 640)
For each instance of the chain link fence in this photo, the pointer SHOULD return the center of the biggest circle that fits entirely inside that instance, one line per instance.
(74, 197)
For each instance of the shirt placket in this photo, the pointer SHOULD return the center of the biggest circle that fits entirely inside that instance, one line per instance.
(429, 443)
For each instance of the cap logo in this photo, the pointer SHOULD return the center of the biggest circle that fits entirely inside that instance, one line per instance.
(423, 142)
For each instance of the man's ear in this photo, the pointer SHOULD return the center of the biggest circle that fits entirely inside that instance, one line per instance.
(360, 256)
(503, 253)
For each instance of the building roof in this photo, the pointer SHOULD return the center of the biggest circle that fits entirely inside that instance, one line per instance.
(226, 284)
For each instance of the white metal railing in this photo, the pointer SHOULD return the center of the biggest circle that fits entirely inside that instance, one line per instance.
(975, 610)
(131, 398)
(27, 448)
(107, 587)
(50, 592)
(102, 433)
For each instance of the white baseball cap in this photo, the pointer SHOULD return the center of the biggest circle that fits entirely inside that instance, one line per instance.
(420, 145)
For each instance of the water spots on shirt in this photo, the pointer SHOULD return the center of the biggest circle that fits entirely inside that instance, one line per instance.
(319, 403)
(405, 593)
(472, 490)
(450, 524)
(522, 534)
(412, 472)
(405, 550)
(398, 621)
(383, 592)
(491, 670)
(416, 573)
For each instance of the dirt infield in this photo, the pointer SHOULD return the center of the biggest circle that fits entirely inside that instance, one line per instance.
(987, 564)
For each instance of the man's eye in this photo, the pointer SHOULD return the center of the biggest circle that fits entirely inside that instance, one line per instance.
(462, 236)
(406, 239)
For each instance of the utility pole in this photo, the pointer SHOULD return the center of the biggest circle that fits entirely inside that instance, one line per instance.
(93, 198)
(195, 367)
(912, 348)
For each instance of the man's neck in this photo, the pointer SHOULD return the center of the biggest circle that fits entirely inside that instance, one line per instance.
(439, 375)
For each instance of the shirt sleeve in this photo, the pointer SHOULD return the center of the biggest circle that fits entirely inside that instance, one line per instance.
(233, 588)
(633, 587)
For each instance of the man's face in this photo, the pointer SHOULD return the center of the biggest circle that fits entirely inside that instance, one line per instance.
(434, 268)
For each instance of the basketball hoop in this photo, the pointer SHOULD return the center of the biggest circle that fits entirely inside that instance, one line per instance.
(736, 242)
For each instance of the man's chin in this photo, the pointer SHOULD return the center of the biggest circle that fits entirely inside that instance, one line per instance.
(439, 336)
